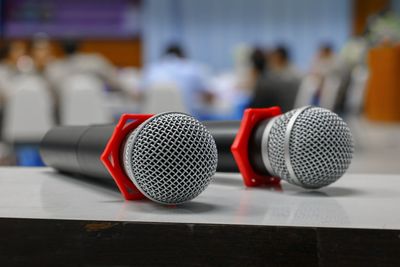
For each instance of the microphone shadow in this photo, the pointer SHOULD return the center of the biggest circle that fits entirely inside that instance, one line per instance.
(235, 180)
(228, 179)
(330, 191)
(145, 205)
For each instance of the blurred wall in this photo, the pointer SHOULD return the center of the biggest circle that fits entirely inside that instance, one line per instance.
(122, 53)
(211, 29)
(396, 6)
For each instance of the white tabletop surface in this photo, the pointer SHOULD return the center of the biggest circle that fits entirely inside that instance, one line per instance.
(355, 201)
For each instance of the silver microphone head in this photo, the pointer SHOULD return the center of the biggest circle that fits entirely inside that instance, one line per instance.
(311, 147)
(170, 158)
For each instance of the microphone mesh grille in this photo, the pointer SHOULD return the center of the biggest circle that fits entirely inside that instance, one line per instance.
(276, 145)
(173, 158)
(320, 147)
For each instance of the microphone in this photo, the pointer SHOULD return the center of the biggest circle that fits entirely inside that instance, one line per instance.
(310, 147)
(168, 158)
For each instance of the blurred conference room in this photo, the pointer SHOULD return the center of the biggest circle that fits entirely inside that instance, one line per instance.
(89, 61)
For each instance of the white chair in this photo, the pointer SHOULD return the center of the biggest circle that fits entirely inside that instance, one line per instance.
(129, 80)
(162, 97)
(330, 91)
(226, 91)
(28, 113)
(82, 101)
(355, 97)
(307, 90)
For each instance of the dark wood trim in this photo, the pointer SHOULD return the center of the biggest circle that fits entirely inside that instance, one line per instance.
(39, 242)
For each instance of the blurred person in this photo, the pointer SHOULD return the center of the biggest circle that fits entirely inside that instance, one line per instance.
(42, 54)
(280, 64)
(4, 69)
(241, 55)
(190, 77)
(258, 63)
(14, 60)
(279, 86)
(76, 62)
(129, 80)
(14, 57)
(325, 61)
(7, 156)
(232, 89)
(332, 78)
(353, 60)
(271, 91)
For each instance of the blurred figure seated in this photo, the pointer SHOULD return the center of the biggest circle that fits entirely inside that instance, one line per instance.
(280, 66)
(190, 77)
(28, 116)
(15, 57)
(329, 75)
(258, 62)
(271, 91)
(76, 62)
(14, 60)
(279, 86)
(325, 62)
(41, 53)
(82, 101)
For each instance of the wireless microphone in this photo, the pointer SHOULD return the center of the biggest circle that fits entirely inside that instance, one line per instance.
(169, 158)
(310, 147)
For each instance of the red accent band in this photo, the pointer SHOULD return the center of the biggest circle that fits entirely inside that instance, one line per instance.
(240, 146)
(111, 156)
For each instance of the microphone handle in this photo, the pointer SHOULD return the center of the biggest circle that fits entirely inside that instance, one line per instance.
(224, 133)
(77, 149)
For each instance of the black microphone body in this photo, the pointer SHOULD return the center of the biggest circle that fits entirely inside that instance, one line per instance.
(310, 146)
(225, 132)
(77, 149)
(147, 156)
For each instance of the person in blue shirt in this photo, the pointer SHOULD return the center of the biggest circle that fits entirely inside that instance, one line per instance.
(190, 77)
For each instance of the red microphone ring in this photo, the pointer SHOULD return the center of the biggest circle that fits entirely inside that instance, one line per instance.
(240, 146)
(128, 122)
(111, 156)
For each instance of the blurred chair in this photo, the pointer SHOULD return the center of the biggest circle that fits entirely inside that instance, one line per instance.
(129, 79)
(230, 101)
(162, 97)
(82, 101)
(356, 94)
(126, 100)
(329, 92)
(28, 110)
(28, 115)
(307, 91)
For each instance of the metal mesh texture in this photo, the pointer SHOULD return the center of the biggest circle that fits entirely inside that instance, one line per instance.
(320, 147)
(171, 158)
(276, 145)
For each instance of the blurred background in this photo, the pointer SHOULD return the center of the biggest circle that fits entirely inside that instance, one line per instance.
(89, 61)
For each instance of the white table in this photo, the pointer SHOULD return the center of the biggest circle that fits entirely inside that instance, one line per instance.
(359, 208)
(355, 201)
